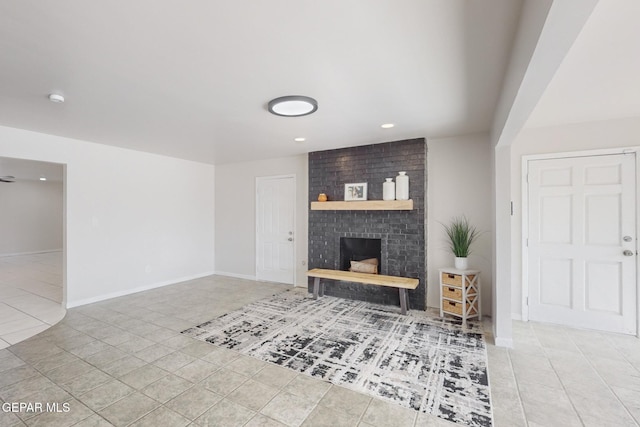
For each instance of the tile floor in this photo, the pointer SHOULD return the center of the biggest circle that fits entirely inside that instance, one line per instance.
(124, 362)
(30, 295)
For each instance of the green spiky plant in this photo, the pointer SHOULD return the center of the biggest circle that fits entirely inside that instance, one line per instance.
(461, 236)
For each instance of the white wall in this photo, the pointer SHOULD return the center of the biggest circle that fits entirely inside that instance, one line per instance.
(459, 183)
(236, 214)
(558, 139)
(30, 217)
(134, 220)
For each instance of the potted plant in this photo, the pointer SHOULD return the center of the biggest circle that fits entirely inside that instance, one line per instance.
(461, 236)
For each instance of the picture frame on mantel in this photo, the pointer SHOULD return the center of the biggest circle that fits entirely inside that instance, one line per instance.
(355, 192)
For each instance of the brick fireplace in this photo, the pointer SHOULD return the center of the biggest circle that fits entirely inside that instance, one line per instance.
(402, 234)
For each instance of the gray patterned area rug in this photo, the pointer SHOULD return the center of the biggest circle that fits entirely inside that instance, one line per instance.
(416, 361)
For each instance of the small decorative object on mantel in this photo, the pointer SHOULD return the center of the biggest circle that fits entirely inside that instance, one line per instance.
(402, 186)
(355, 192)
(461, 236)
(322, 197)
(389, 189)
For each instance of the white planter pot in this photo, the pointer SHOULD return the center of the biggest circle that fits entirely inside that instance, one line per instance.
(462, 263)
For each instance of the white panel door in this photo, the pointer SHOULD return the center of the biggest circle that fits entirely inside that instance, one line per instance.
(275, 203)
(582, 242)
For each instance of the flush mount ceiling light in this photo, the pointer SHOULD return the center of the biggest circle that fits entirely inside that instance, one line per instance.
(56, 97)
(387, 126)
(293, 106)
(42, 178)
(300, 139)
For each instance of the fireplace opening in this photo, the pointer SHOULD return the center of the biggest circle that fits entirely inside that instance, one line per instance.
(359, 249)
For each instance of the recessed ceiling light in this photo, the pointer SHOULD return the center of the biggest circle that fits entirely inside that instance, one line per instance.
(42, 178)
(387, 126)
(299, 139)
(56, 97)
(293, 106)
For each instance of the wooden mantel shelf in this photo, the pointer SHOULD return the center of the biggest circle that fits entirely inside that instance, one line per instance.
(368, 205)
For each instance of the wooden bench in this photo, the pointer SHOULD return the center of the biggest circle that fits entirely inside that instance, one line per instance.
(402, 283)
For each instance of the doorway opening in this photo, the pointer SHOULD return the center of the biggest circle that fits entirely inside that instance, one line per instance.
(32, 251)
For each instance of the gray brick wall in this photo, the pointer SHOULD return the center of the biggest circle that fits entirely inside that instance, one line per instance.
(402, 232)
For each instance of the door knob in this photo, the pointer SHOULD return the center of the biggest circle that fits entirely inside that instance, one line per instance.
(290, 239)
(627, 252)
(627, 238)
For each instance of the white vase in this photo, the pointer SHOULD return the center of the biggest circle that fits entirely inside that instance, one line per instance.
(389, 189)
(402, 186)
(462, 263)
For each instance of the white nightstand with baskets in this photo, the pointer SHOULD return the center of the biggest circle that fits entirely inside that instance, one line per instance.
(460, 293)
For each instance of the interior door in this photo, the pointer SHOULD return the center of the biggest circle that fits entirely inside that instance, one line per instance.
(275, 227)
(582, 242)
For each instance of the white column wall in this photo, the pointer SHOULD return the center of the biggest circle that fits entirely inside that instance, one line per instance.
(459, 183)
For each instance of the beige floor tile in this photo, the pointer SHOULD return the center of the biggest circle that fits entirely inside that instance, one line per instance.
(197, 370)
(197, 349)
(174, 361)
(225, 413)
(20, 390)
(224, 381)
(143, 376)
(539, 393)
(106, 357)
(246, 365)
(194, 402)
(323, 416)
(288, 409)
(153, 352)
(126, 411)
(253, 395)
(221, 356)
(13, 326)
(307, 387)
(260, 420)
(603, 407)
(345, 400)
(167, 388)
(76, 412)
(86, 382)
(551, 415)
(105, 395)
(162, 417)
(630, 399)
(385, 414)
(123, 366)
(94, 420)
(275, 376)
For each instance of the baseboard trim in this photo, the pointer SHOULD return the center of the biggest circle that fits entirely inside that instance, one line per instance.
(516, 316)
(103, 297)
(30, 253)
(503, 342)
(235, 275)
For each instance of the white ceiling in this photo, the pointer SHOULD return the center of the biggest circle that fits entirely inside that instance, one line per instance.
(192, 79)
(599, 79)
